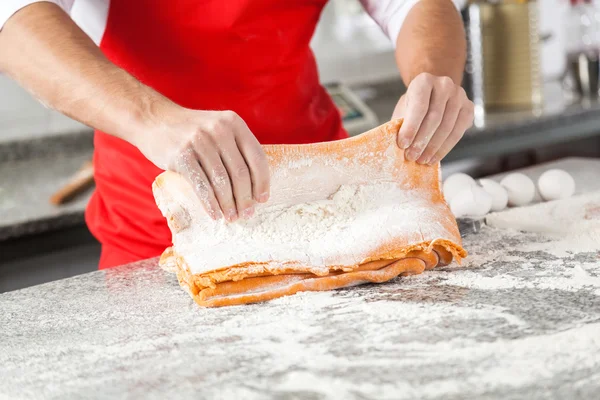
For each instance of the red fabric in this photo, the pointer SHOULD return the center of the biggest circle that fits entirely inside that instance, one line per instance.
(249, 56)
(111, 257)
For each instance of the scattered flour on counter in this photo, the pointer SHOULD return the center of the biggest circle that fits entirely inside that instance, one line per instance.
(535, 260)
(572, 243)
(586, 240)
(433, 323)
(570, 279)
(501, 364)
(425, 341)
(571, 225)
(458, 332)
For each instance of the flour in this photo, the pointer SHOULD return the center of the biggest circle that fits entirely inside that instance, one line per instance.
(571, 279)
(571, 225)
(430, 345)
(572, 243)
(339, 230)
(301, 220)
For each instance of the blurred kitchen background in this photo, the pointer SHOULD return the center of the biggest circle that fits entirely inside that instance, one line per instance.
(532, 72)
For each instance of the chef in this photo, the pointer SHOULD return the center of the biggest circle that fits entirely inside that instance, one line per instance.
(195, 86)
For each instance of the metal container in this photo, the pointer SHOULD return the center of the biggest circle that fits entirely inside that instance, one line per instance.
(503, 68)
(583, 69)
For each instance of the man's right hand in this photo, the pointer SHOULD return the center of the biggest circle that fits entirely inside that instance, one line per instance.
(217, 154)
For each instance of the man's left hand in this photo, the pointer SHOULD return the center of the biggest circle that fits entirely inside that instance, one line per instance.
(436, 113)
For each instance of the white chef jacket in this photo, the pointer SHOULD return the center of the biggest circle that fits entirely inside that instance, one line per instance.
(91, 15)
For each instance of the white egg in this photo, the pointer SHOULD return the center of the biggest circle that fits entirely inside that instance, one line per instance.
(455, 183)
(472, 201)
(498, 193)
(556, 184)
(520, 189)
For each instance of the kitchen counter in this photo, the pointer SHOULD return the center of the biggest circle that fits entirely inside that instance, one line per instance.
(519, 319)
(32, 170)
(507, 324)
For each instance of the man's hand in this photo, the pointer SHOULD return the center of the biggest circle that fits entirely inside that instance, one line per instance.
(431, 50)
(217, 154)
(436, 114)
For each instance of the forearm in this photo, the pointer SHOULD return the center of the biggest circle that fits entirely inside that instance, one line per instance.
(49, 55)
(432, 40)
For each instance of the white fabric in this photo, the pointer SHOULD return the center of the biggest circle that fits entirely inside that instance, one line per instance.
(390, 14)
(91, 15)
(10, 7)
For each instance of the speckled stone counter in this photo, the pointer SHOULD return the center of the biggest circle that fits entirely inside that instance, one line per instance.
(32, 171)
(510, 323)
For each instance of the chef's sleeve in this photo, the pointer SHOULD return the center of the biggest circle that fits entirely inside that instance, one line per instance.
(9, 7)
(390, 14)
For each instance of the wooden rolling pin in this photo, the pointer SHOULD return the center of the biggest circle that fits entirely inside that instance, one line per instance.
(83, 179)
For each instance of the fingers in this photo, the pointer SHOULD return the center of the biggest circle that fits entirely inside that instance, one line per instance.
(220, 158)
(256, 160)
(437, 112)
(247, 166)
(442, 132)
(209, 157)
(441, 92)
(463, 122)
(239, 175)
(235, 164)
(191, 170)
(417, 100)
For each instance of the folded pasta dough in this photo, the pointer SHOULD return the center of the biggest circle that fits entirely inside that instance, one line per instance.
(341, 213)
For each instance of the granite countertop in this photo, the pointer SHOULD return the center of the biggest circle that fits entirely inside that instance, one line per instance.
(508, 324)
(519, 319)
(32, 171)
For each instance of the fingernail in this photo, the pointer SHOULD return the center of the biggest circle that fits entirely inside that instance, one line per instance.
(433, 160)
(215, 215)
(248, 213)
(263, 198)
(404, 143)
(231, 215)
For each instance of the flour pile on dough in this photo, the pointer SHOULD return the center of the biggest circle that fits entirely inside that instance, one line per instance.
(340, 230)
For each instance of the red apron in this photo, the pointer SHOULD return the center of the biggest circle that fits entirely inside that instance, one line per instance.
(249, 56)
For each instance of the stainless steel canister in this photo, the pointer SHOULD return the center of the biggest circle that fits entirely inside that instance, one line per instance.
(503, 67)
